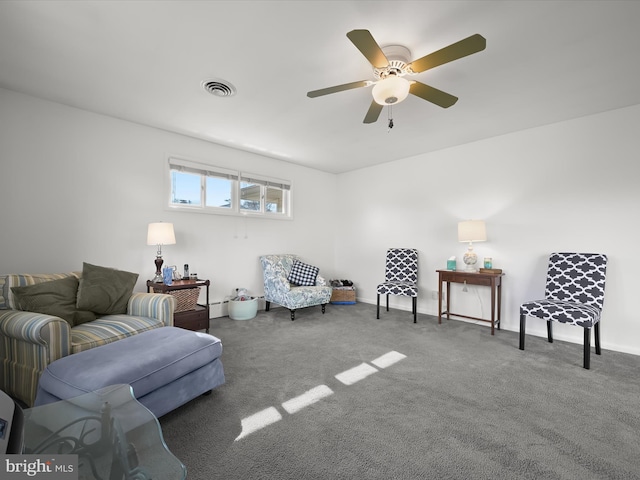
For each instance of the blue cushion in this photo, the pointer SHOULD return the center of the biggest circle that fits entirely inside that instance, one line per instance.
(145, 361)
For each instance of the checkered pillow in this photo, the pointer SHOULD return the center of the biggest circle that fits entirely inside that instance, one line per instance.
(303, 274)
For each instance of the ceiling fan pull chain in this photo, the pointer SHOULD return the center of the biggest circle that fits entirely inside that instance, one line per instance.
(390, 116)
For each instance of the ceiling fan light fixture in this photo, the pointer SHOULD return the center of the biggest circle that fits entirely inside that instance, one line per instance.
(391, 90)
(391, 63)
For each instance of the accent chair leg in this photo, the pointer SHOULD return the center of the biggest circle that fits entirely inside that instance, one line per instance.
(323, 306)
(596, 333)
(293, 315)
(387, 302)
(523, 323)
(549, 331)
(378, 312)
(587, 348)
(267, 305)
(415, 309)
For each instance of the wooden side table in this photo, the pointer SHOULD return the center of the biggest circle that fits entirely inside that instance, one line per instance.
(493, 280)
(196, 319)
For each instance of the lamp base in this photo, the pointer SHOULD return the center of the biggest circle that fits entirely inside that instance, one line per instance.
(470, 259)
(158, 278)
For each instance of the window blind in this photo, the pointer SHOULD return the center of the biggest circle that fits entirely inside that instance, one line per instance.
(186, 166)
(281, 184)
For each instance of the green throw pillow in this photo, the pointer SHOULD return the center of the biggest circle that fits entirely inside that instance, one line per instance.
(105, 291)
(56, 297)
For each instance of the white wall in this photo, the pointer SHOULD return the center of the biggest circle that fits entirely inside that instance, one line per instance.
(76, 186)
(571, 186)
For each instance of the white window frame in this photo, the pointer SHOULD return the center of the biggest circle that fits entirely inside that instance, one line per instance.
(207, 170)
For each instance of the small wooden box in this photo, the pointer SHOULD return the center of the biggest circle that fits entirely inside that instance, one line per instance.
(343, 296)
(491, 270)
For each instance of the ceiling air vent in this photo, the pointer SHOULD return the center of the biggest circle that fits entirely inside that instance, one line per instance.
(219, 88)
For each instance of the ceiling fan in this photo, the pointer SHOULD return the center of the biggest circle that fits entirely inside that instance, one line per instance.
(392, 63)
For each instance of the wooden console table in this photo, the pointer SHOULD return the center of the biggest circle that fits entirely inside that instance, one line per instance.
(493, 280)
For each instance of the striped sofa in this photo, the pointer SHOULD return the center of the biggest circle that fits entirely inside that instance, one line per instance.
(31, 341)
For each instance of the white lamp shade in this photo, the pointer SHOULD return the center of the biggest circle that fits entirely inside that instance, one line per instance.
(472, 231)
(161, 234)
(391, 90)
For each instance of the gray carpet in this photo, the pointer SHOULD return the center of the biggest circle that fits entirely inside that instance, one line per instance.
(461, 405)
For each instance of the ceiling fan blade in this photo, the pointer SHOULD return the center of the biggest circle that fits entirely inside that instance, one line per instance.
(363, 40)
(473, 44)
(338, 88)
(432, 95)
(373, 113)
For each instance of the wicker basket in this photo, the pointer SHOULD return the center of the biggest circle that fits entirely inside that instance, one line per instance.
(186, 299)
(343, 295)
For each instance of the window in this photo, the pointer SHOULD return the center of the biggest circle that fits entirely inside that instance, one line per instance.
(209, 189)
(218, 192)
(250, 196)
(265, 195)
(275, 199)
(194, 185)
(185, 188)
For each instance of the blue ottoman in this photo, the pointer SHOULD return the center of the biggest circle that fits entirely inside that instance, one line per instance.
(166, 367)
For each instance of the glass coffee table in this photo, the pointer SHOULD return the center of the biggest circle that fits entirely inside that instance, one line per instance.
(114, 436)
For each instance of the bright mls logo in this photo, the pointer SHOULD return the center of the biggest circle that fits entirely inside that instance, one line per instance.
(51, 467)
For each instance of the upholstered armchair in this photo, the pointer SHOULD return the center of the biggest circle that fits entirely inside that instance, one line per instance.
(30, 341)
(292, 283)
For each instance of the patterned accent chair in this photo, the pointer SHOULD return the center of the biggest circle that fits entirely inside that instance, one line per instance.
(400, 277)
(574, 295)
(278, 289)
(30, 341)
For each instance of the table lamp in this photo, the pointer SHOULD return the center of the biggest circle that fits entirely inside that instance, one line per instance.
(160, 234)
(471, 231)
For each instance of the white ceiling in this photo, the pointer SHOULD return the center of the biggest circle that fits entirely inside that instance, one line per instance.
(144, 61)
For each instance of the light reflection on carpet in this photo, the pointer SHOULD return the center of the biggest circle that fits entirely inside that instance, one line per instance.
(355, 374)
(308, 398)
(270, 415)
(388, 359)
(259, 420)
